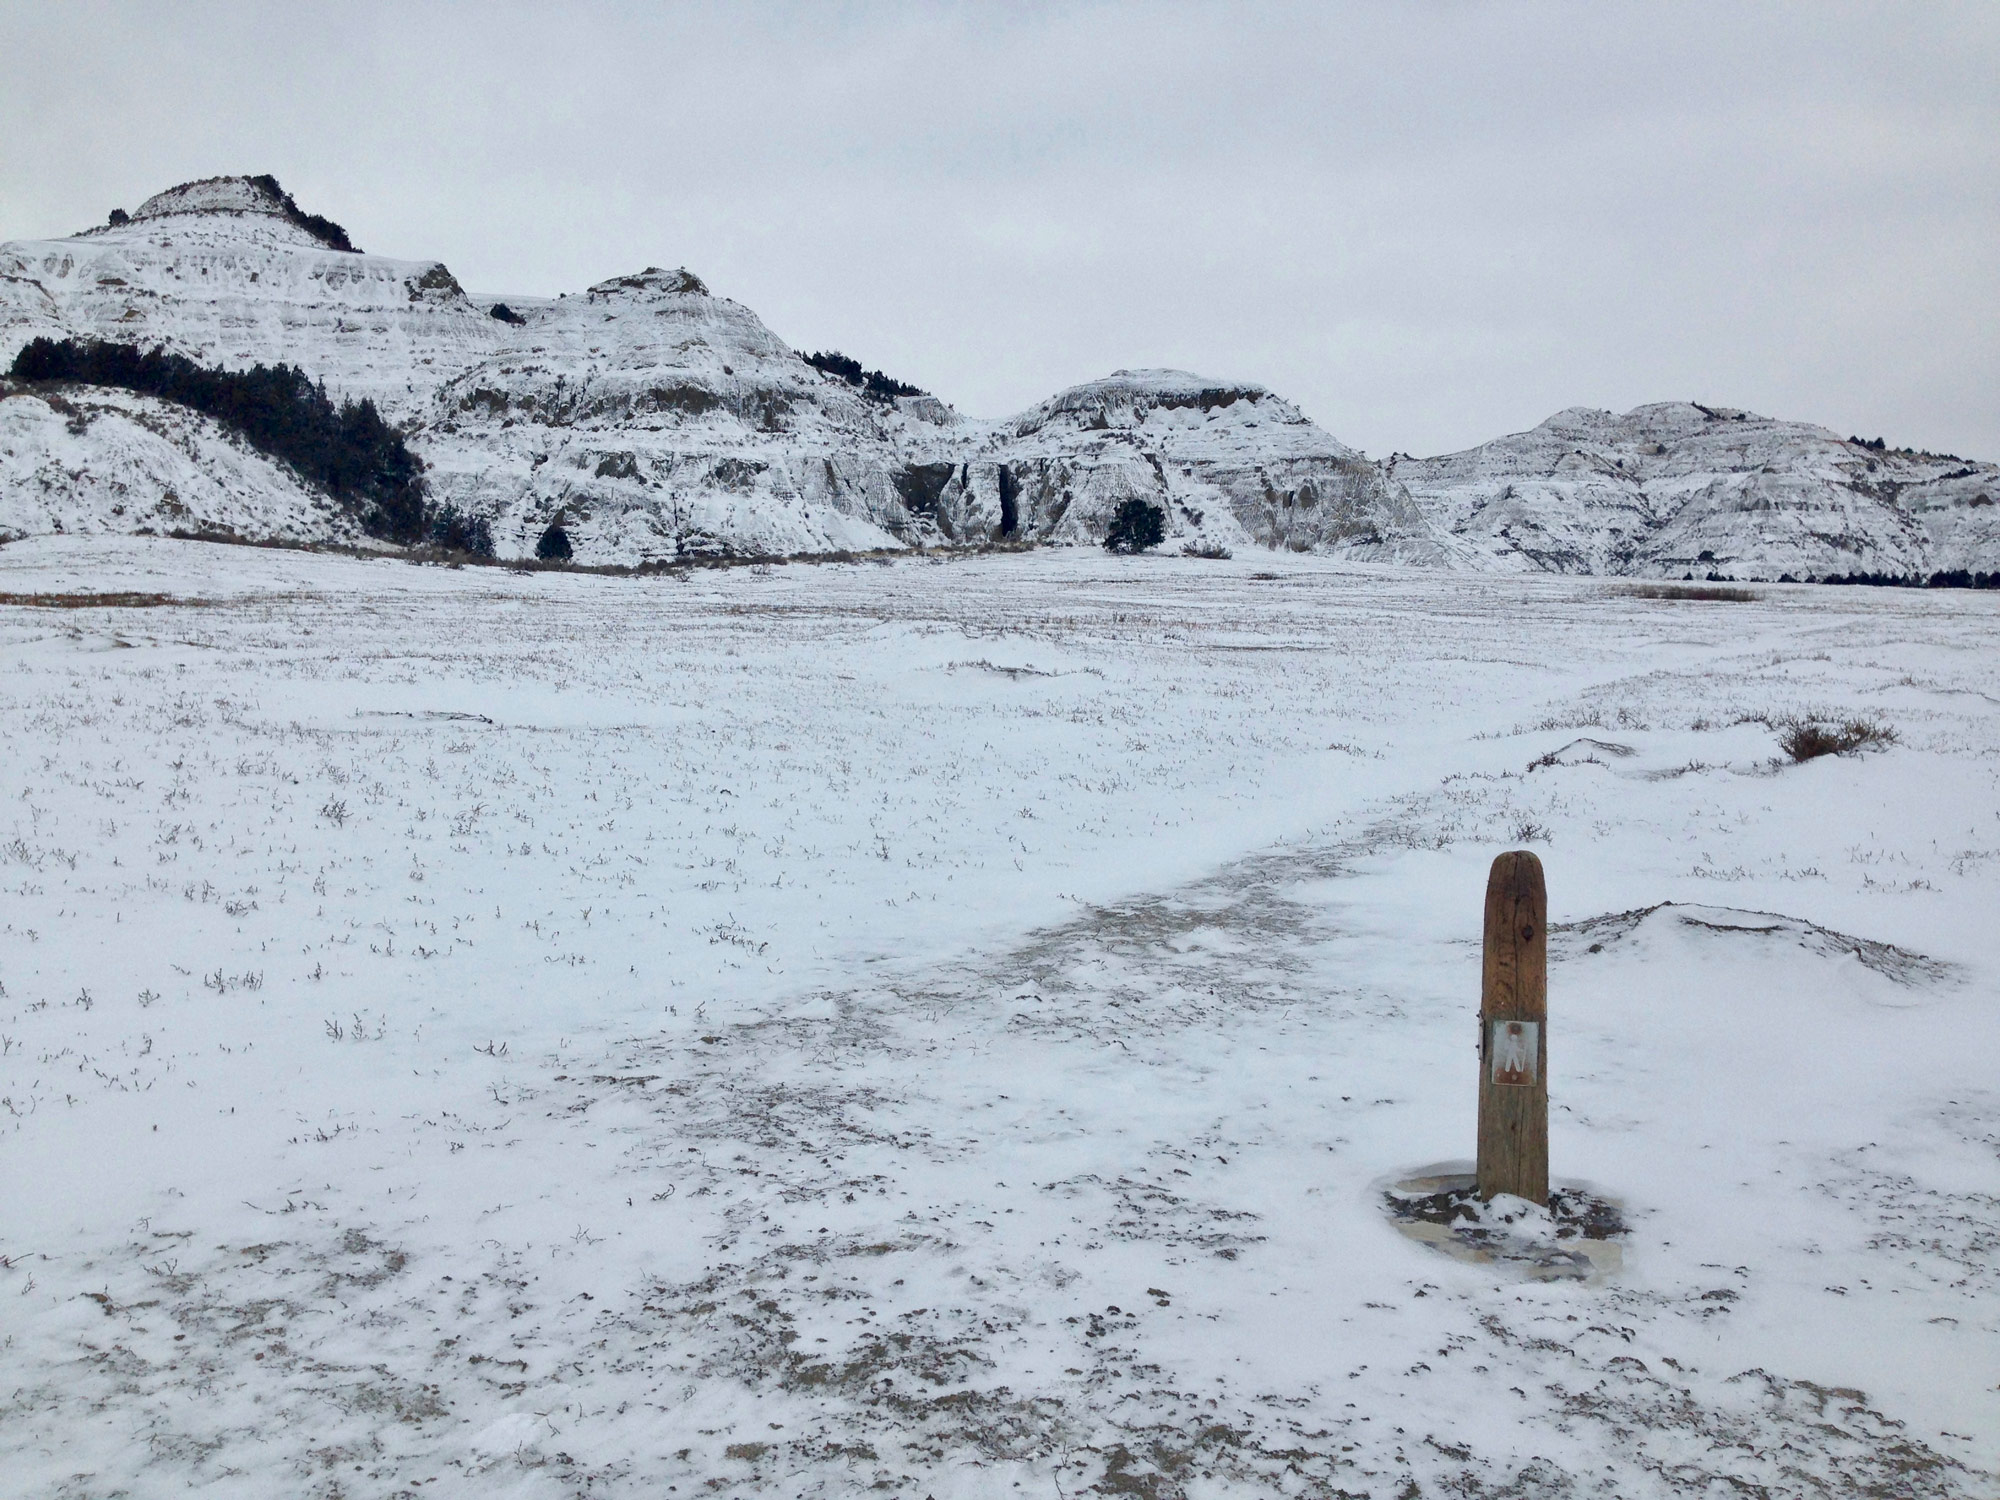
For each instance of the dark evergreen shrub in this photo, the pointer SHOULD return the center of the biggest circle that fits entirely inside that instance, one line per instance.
(554, 545)
(1954, 578)
(119, 216)
(1135, 526)
(320, 228)
(453, 531)
(883, 388)
(833, 362)
(346, 450)
(869, 382)
(1961, 578)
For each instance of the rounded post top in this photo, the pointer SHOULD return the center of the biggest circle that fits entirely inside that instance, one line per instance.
(1515, 981)
(1517, 868)
(1515, 888)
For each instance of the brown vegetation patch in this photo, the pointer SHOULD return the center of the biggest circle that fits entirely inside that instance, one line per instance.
(1708, 593)
(101, 601)
(1807, 739)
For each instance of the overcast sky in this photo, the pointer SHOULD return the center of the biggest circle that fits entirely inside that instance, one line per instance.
(1427, 223)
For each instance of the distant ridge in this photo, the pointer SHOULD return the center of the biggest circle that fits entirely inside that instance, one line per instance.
(652, 419)
(1685, 489)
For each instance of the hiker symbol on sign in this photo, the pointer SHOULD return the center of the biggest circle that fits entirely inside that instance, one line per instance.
(1515, 1052)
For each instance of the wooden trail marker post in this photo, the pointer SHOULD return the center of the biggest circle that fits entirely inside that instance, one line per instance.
(1513, 1032)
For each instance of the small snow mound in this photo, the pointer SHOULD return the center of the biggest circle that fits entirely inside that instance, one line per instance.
(1507, 1214)
(519, 1433)
(1583, 752)
(1598, 934)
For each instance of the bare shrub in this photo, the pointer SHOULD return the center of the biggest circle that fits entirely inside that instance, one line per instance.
(1807, 739)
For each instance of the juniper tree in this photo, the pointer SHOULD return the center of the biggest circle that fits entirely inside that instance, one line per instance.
(1135, 526)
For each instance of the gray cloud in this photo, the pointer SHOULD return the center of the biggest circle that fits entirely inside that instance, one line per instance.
(1428, 224)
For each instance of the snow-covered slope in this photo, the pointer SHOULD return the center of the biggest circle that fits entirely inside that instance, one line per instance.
(107, 460)
(655, 419)
(1677, 488)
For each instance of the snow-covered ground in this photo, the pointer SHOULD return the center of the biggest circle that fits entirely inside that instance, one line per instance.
(944, 1028)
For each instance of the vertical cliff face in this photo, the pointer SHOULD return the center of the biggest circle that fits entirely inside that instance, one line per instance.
(1680, 488)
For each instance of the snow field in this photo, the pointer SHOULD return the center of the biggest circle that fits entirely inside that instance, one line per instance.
(943, 1027)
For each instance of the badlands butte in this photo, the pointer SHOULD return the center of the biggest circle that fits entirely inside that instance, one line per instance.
(653, 420)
